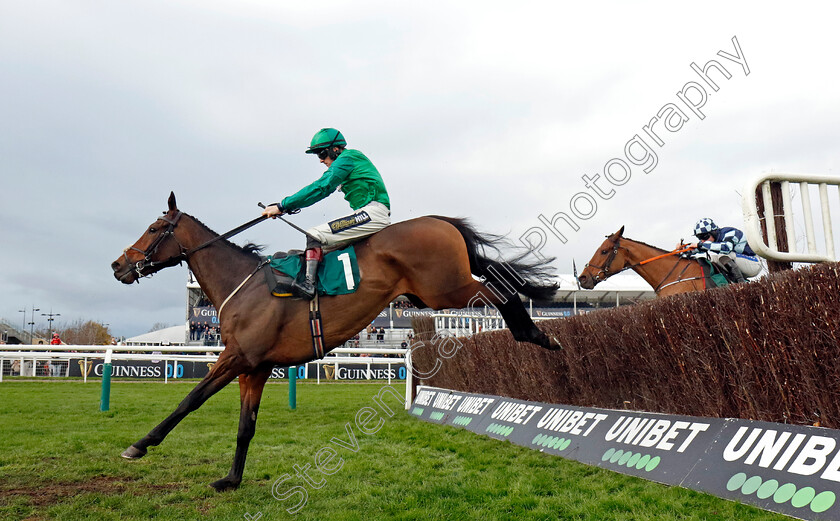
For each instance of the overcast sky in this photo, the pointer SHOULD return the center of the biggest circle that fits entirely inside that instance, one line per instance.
(478, 109)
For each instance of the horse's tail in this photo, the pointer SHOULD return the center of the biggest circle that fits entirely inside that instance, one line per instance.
(530, 278)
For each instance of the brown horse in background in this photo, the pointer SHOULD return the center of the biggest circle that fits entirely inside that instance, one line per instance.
(431, 260)
(666, 272)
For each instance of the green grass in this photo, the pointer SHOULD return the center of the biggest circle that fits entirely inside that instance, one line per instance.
(59, 459)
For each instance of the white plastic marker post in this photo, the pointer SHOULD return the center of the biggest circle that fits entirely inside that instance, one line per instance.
(105, 400)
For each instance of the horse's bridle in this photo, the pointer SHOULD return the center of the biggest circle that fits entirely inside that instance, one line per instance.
(184, 254)
(605, 269)
(147, 261)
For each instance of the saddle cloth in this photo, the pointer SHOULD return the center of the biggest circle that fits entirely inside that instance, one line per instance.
(713, 275)
(338, 272)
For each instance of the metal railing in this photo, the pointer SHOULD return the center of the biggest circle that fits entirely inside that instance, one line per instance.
(792, 215)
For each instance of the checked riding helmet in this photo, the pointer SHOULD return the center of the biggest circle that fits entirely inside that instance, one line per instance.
(326, 138)
(704, 228)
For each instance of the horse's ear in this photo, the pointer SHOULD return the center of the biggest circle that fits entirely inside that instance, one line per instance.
(172, 205)
(620, 233)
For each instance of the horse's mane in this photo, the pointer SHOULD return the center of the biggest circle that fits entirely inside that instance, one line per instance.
(646, 244)
(250, 249)
(680, 258)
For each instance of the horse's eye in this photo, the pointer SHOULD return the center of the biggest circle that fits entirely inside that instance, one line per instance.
(152, 230)
(603, 252)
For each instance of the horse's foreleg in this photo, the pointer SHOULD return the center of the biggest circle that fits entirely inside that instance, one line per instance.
(250, 390)
(222, 374)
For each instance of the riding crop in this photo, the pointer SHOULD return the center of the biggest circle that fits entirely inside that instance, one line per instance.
(293, 225)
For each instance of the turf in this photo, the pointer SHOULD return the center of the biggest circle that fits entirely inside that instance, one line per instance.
(59, 459)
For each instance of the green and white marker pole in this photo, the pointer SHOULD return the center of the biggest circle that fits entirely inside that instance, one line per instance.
(105, 401)
(293, 388)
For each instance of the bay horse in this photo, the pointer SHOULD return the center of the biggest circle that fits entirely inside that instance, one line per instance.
(666, 272)
(430, 259)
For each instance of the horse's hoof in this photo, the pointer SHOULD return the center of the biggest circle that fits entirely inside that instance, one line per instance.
(553, 344)
(225, 484)
(133, 453)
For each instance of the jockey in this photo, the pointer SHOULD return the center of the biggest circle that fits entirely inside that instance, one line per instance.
(351, 172)
(728, 248)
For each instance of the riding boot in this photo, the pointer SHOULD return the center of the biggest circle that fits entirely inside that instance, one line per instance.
(733, 271)
(306, 288)
(736, 273)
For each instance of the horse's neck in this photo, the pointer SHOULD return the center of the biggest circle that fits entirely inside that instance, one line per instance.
(655, 272)
(218, 268)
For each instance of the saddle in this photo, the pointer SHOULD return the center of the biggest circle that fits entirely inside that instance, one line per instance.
(338, 272)
(280, 283)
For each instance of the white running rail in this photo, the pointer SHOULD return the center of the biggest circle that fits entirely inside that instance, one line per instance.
(752, 223)
(465, 323)
(30, 355)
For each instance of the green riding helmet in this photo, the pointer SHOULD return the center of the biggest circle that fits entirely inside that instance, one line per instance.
(326, 138)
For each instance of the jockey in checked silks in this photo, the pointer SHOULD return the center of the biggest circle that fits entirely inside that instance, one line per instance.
(727, 249)
(352, 173)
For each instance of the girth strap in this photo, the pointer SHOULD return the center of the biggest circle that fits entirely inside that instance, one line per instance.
(679, 277)
(317, 328)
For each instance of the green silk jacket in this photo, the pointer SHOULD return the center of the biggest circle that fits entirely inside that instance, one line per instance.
(353, 174)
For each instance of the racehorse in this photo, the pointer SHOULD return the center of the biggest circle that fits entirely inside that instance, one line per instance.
(665, 271)
(430, 259)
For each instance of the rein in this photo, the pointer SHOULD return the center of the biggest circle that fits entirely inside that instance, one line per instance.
(226, 235)
(147, 261)
(675, 252)
(605, 269)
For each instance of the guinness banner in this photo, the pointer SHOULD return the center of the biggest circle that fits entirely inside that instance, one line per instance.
(396, 371)
(204, 315)
(788, 469)
(140, 369)
(401, 316)
(161, 369)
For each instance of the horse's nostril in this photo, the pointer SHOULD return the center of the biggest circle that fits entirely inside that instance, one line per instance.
(115, 265)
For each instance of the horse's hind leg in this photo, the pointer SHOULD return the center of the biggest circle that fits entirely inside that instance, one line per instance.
(250, 392)
(522, 326)
(222, 374)
(512, 309)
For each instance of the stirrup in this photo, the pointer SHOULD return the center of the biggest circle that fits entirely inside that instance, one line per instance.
(304, 290)
(281, 290)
